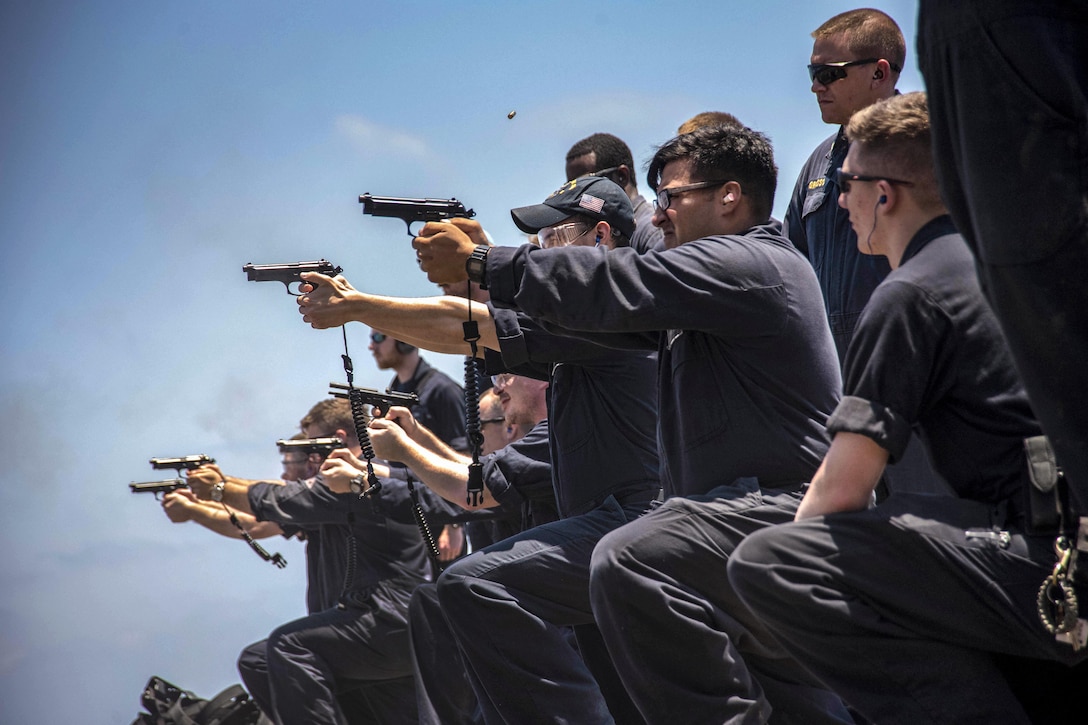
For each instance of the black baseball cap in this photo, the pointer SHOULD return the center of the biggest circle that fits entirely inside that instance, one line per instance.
(592, 196)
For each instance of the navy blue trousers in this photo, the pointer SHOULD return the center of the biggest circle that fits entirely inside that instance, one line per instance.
(685, 647)
(901, 612)
(511, 607)
(336, 667)
(443, 691)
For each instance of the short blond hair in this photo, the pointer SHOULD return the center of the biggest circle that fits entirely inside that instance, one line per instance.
(894, 135)
(868, 33)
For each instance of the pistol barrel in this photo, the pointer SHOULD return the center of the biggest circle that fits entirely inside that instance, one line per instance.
(187, 462)
(324, 446)
(375, 398)
(157, 487)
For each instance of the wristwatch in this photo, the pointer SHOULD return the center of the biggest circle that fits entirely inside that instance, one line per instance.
(217, 491)
(476, 265)
(356, 484)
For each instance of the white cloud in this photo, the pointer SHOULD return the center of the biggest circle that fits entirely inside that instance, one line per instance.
(370, 137)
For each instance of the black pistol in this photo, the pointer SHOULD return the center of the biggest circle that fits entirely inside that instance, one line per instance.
(289, 273)
(411, 211)
(187, 463)
(159, 487)
(321, 446)
(383, 400)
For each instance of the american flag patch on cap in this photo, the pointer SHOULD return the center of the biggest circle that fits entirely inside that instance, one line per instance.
(593, 203)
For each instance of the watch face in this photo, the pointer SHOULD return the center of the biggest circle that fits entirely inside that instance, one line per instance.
(476, 264)
(357, 485)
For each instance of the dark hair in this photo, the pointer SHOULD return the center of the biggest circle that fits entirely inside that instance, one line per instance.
(611, 151)
(868, 33)
(723, 151)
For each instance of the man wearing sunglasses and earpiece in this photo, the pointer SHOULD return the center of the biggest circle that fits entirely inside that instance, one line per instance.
(856, 59)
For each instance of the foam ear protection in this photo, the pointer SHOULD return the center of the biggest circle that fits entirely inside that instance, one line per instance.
(404, 348)
(882, 200)
(878, 75)
(729, 197)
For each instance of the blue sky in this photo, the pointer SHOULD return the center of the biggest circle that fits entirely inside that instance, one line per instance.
(150, 149)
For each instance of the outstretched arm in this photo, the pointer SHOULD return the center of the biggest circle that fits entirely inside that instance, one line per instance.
(235, 490)
(445, 476)
(182, 505)
(422, 435)
(432, 323)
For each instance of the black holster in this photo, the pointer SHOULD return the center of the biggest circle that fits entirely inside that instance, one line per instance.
(1045, 494)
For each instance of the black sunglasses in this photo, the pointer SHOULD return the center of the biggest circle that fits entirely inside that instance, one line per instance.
(664, 196)
(827, 73)
(843, 179)
(378, 337)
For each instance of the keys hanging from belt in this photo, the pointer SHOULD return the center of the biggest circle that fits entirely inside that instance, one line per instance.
(1057, 600)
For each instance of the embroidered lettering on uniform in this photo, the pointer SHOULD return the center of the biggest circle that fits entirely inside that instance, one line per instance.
(671, 337)
(569, 186)
(593, 203)
(817, 183)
